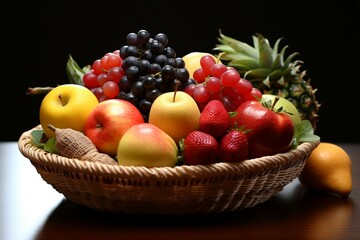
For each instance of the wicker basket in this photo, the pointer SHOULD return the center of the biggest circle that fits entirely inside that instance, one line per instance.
(214, 188)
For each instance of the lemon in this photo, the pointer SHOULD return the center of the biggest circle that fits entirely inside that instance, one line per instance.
(328, 169)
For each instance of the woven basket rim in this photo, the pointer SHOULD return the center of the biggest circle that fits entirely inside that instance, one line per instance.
(267, 164)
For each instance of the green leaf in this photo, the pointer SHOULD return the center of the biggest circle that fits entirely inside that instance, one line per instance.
(50, 145)
(37, 137)
(39, 140)
(304, 132)
(74, 72)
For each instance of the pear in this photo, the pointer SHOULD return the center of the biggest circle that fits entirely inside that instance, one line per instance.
(328, 169)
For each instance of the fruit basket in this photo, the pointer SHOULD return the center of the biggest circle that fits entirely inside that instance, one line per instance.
(199, 189)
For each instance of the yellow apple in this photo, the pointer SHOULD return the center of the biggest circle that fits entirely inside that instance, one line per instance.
(146, 145)
(192, 61)
(66, 106)
(176, 114)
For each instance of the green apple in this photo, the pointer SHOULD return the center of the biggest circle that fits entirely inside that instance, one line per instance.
(176, 113)
(287, 106)
(146, 145)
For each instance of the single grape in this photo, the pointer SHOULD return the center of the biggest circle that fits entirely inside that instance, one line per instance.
(230, 78)
(156, 47)
(255, 94)
(138, 89)
(132, 51)
(161, 59)
(131, 39)
(115, 74)
(201, 94)
(97, 91)
(168, 73)
(102, 78)
(125, 84)
(143, 37)
(129, 61)
(96, 66)
(182, 74)
(110, 89)
(149, 82)
(213, 84)
(151, 95)
(163, 38)
(145, 106)
(113, 60)
(217, 69)
(132, 73)
(206, 62)
(169, 52)
(243, 87)
(90, 79)
(199, 75)
(189, 89)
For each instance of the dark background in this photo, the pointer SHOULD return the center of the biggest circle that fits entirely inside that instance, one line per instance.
(36, 39)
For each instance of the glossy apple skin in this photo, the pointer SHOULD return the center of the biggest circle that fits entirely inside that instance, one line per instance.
(177, 118)
(147, 145)
(66, 106)
(287, 106)
(269, 132)
(107, 123)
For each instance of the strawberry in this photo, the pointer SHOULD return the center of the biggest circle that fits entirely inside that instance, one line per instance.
(234, 146)
(214, 119)
(199, 148)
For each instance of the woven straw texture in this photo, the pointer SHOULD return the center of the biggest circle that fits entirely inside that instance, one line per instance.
(214, 188)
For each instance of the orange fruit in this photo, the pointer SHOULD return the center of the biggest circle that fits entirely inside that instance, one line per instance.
(328, 169)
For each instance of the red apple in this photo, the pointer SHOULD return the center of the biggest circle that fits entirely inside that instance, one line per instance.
(269, 131)
(107, 123)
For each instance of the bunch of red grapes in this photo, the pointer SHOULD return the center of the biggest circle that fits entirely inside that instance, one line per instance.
(104, 77)
(217, 81)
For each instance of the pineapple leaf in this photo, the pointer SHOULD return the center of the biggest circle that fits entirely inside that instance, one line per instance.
(235, 56)
(238, 46)
(279, 59)
(255, 42)
(266, 82)
(278, 62)
(276, 47)
(224, 48)
(258, 73)
(266, 53)
(244, 64)
(289, 59)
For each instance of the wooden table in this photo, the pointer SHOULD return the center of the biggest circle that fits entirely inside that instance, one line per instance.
(32, 209)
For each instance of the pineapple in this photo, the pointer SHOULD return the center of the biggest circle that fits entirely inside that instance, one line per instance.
(269, 71)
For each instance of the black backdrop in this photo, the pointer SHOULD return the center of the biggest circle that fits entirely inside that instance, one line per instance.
(36, 39)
